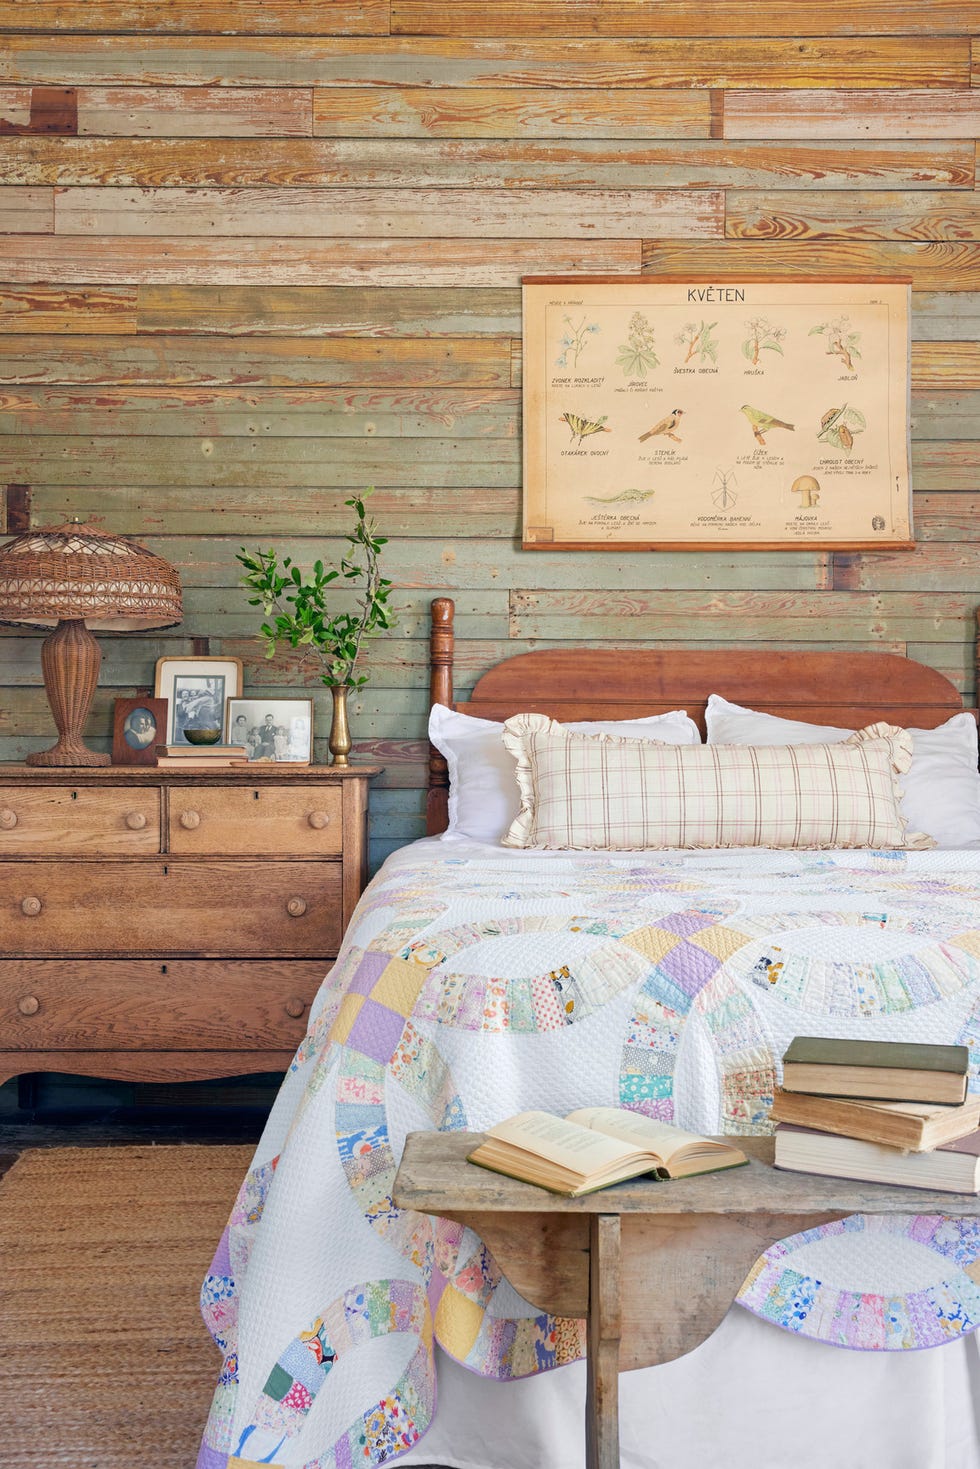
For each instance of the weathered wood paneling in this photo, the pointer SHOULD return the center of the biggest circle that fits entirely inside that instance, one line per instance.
(177, 112)
(933, 266)
(505, 112)
(440, 262)
(189, 17)
(740, 62)
(681, 18)
(257, 254)
(850, 114)
(349, 213)
(297, 163)
(819, 214)
(264, 360)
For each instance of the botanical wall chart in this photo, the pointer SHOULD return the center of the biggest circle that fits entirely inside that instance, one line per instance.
(743, 414)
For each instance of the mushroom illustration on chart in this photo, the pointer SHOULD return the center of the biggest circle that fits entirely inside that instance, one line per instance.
(666, 427)
(761, 422)
(808, 490)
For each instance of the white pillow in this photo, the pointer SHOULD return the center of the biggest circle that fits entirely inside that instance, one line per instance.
(484, 798)
(942, 786)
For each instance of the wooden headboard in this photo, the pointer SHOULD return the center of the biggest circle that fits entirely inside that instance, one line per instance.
(846, 689)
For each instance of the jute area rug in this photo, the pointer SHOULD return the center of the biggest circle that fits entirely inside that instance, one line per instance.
(104, 1359)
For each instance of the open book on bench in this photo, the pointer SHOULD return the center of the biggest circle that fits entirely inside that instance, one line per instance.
(596, 1146)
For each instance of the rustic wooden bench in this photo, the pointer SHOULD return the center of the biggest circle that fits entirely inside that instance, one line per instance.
(684, 1247)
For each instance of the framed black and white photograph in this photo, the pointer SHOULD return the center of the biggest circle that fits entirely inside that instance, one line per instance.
(138, 726)
(275, 730)
(197, 690)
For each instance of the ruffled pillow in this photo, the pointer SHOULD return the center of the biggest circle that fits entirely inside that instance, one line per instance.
(601, 793)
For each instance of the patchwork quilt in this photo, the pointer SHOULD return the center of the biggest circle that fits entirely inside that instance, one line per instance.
(475, 982)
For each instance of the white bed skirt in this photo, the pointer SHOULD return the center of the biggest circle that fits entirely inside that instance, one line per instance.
(750, 1397)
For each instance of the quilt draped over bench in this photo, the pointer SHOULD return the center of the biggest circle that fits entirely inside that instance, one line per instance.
(475, 982)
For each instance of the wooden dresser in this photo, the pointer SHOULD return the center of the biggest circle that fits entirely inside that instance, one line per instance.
(161, 925)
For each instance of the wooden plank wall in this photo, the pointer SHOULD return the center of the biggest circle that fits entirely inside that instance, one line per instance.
(258, 254)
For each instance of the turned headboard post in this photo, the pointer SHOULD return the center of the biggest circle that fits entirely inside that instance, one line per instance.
(441, 642)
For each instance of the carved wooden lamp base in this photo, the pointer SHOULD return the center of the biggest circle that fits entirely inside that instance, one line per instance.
(70, 662)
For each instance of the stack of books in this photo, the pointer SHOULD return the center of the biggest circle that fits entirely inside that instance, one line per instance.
(201, 757)
(879, 1111)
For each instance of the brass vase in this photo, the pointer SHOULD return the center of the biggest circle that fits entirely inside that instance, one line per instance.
(339, 742)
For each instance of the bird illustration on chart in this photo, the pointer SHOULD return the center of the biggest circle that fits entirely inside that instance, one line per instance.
(761, 422)
(666, 427)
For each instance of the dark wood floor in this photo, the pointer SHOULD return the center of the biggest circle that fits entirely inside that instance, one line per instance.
(126, 1127)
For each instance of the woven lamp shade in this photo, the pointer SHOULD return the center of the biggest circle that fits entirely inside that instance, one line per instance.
(72, 578)
(78, 573)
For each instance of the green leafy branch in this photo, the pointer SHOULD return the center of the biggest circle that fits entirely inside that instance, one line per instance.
(297, 611)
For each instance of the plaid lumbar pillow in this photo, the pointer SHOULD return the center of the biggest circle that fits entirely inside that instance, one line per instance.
(602, 793)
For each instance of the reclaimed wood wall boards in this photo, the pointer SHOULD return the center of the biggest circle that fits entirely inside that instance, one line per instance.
(258, 254)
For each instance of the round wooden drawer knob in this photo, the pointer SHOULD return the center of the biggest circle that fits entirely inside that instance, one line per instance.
(135, 820)
(295, 1006)
(29, 1005)
(30, 907)
(318, 819)
(8, 819)
(190, 820)
(296, 907)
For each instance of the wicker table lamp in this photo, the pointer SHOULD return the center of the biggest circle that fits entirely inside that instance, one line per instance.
(71, 578)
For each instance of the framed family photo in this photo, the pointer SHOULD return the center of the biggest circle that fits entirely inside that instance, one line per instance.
(197, 691)
(138, 726)
(274, 730)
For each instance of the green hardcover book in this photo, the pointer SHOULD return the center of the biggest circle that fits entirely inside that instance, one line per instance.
(898, 1071)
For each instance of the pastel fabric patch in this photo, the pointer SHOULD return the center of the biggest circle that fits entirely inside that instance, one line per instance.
(596, 792)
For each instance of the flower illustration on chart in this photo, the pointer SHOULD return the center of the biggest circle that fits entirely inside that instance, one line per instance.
(762, 337)
(699, 341)
(574, 341)
(637, 354)
(841, 341)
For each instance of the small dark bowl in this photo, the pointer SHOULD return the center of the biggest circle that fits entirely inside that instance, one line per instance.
(202, 736)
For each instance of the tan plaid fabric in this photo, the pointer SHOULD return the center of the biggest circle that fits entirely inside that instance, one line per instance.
(599, 792)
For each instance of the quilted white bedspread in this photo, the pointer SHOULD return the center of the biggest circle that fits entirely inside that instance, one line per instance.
(475, 982)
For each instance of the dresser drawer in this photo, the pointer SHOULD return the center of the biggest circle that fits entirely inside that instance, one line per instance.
(231, 908)
(281, 821)
(145, 1005)
(72, 821)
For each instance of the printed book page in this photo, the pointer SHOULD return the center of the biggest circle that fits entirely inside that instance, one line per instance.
(561, 1141)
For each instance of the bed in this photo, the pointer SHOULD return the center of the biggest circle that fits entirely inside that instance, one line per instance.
(477, 979)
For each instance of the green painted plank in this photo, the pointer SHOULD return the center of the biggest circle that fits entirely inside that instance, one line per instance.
(268, 463)
(260, 413)
(945, 415)
(350, 311)
(252, 514)
(945, 316)
(469, 564)
(257, 362)
(932, 566)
